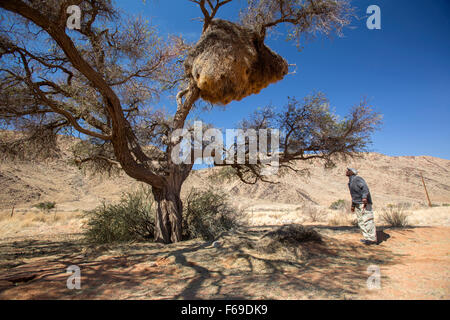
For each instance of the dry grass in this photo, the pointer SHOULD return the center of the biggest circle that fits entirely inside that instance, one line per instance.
(395, 216)
(342, 219)
(260, 215)
(426, 216)
(314, 213)
(33, 222)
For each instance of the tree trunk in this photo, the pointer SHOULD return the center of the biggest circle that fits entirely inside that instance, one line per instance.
(169, 214)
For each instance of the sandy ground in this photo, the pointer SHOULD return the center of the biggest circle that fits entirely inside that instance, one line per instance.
(36, 248)
(269, 214)
(413, 262)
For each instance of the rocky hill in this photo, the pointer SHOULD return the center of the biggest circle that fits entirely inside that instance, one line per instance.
(391, 180)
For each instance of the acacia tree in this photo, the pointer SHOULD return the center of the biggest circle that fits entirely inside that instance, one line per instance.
(102, 79)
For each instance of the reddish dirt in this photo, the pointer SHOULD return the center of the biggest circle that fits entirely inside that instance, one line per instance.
(414, 264)
(423, 269)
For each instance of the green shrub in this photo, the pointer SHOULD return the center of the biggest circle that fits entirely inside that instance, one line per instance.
(225, 174)
(46, 206)
(207, 214)
(395, 216)
(338, 204)
(130, 219)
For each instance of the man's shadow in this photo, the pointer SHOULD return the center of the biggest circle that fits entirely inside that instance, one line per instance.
(382, 236)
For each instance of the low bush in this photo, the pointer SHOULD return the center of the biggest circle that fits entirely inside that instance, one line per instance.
(338, 205)
(395, 216)
(287, 239)
(130, 219)
(207, 214)
(46, 206)
(225, 174)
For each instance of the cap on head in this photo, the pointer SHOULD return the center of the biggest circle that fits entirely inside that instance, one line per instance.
(355, 172)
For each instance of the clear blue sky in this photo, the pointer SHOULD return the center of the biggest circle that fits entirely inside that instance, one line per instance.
(404, 69)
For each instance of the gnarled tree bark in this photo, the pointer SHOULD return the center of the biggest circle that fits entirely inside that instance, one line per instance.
(169, 213)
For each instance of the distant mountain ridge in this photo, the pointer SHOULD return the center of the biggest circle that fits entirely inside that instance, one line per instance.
(391, 180)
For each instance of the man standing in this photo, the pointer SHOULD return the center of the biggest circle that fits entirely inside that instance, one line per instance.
(362, 204)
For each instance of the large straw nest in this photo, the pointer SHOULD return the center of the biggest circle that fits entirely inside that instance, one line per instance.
(231, 62)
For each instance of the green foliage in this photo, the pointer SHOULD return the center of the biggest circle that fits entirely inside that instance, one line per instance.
(132, 219)
(224, 174)
(207, 214)
(338, 204)
(395, 216)
(46, 206)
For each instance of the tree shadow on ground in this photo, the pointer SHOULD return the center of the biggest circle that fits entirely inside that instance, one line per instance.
(332, 269)
(382, 235)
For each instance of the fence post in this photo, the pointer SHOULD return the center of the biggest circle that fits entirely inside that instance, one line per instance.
(426, 191)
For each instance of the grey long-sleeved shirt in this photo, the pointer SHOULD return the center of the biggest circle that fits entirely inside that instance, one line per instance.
(359, 190)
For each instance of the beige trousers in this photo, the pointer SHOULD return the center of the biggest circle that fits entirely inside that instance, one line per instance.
(366, 221)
